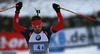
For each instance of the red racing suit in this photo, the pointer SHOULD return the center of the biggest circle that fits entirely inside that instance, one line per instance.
(48, 31)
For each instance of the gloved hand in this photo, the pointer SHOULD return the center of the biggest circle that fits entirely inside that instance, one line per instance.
(55, 6)
(19, 6)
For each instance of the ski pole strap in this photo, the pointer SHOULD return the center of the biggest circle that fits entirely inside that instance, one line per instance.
(8, 8)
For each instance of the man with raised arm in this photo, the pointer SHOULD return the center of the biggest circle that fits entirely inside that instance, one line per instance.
(37, 38)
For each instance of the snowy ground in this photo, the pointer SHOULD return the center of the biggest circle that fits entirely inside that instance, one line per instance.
(85, 7)
(81, 50)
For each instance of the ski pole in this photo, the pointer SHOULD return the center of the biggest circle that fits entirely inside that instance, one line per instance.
(77, 13)
(9, 8)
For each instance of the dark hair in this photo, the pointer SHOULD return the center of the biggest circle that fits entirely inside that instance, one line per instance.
(36, 18)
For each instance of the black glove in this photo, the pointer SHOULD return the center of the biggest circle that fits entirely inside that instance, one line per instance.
(55, 6)
(19, 6)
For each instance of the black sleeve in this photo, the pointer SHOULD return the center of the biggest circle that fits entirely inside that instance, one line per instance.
(26, 34)
(49, 32)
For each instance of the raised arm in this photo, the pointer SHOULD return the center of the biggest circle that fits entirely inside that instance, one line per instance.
(16, 19)
(60, 24)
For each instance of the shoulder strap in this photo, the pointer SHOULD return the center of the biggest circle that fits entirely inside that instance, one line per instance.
(44, 30)
(31, 31)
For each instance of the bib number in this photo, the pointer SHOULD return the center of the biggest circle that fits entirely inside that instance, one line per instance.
(38, 47)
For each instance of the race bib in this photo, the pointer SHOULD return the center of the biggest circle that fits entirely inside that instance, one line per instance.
(39, 47)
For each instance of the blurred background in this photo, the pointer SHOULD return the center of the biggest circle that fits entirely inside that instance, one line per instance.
(79, 36)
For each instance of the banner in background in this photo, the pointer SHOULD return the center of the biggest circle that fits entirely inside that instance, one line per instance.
(96, 34)
(12, 41)
(70, 38)
(64, 38)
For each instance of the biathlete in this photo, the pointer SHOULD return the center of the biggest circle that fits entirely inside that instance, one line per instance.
(37, 38)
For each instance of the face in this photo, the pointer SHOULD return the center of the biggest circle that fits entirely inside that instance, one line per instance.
(37, 29)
